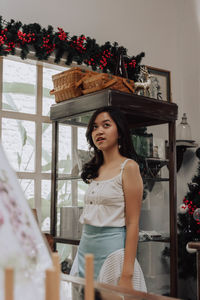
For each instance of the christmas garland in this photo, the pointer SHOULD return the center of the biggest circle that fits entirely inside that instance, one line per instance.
(82, 50)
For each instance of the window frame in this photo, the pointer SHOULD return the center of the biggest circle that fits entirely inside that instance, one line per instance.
(37, 176)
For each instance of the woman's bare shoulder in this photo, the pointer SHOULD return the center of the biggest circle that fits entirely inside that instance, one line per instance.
(132, 165)
(131, 169)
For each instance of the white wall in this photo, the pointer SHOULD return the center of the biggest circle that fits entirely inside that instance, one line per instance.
(168, 31)
(189, 71)
(165, 29)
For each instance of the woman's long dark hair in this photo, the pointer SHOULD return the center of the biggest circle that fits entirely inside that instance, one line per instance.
(90, 169)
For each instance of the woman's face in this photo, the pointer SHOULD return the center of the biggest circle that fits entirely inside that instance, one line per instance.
(105, 134)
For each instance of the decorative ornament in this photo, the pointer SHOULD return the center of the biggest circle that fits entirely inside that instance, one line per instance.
(190, 250)
(198, 153)
(193, 186)
(183, 209)
(196, 214)
(145, 85)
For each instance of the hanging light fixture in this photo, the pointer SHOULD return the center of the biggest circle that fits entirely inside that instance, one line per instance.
(183, 130)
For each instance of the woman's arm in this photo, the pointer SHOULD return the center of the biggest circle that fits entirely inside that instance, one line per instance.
(133, 191)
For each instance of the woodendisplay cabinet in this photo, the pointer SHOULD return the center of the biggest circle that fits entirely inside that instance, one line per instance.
(140, 111)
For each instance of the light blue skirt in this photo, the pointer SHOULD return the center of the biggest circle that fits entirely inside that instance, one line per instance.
(101, 242)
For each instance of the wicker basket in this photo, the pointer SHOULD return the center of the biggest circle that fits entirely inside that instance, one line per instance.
(66, 92)
(93, 83)
(123, 85)
(65, 84)
(65, 78)
(101, 81)
(75, 82)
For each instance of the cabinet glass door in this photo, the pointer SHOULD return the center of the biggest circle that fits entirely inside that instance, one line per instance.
(72, 154)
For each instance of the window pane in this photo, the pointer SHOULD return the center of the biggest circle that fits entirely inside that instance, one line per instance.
(46, 147)
(64, 198)
(28, 189)
(19, 86)
(82, 187)
(64, 193)
(82, 142)
(83, 153)
(18, 138)
(45, 210)
(64, 163)
(48, 100)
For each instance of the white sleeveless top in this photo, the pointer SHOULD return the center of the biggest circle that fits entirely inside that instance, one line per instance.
(104, 202)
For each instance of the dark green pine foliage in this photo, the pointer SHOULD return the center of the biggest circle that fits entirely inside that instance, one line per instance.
(44, 42)
(189, 228)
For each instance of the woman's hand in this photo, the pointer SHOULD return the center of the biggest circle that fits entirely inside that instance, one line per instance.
(126, 282)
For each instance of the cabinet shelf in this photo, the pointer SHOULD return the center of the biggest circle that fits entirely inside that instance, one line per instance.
(66, 241)
(68, 177)
(140, 111)
(155, 239)
(156, 160)
(155, 179)
(165, 239)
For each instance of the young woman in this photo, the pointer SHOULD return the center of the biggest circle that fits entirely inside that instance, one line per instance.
(112, 202)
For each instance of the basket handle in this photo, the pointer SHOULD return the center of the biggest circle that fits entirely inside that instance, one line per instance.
(127, 84)
(109, 83)
(52, 92)
(91, 90)
(78, 83)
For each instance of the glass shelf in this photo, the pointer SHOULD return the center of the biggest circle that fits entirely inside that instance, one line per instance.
(161, 239)
(69, 177)
(155, 179)
(156, 160)
(66, 241)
